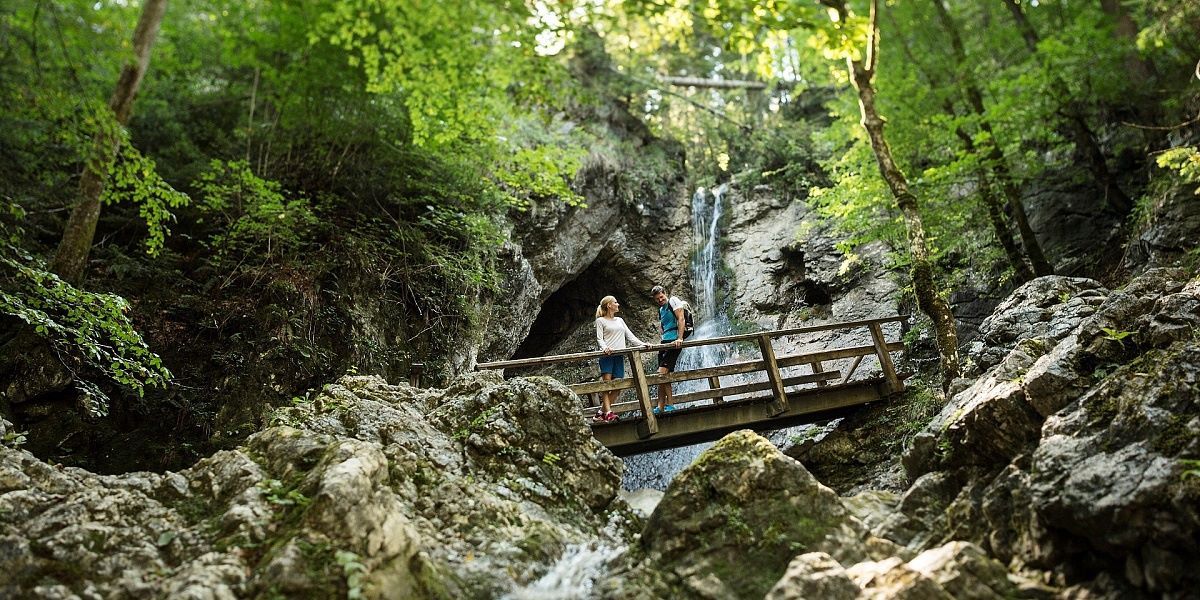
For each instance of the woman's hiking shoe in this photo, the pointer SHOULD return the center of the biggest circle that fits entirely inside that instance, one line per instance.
(599, 417)
(670, 407)
(610, 417)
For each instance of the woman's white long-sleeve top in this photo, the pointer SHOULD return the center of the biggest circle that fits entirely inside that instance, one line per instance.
(612, 333)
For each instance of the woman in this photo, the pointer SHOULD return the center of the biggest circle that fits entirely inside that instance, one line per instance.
(611, 334)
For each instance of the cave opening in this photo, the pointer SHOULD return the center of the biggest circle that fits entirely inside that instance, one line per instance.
(574, 305)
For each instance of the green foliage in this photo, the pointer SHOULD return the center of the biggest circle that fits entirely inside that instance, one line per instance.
(1191, 468)
(280, 494)
(84, 328)
(1116, 335)
(134, 178)
(13, 439)
(1185, 161)
(354, 570)
(255, 217)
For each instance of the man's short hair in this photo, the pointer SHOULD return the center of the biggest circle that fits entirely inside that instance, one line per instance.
(656, 290)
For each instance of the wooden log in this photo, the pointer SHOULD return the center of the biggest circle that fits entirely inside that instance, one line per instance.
(649, 424)
(885, 360)
(779, 403)
(702, 82)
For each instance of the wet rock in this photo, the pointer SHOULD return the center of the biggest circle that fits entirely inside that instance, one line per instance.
(814, 575)
(728, 523)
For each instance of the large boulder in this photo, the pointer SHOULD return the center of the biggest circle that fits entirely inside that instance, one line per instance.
(956, 570)
(1111, 469)
(1072, 450)
(373, 489)
(729, 524)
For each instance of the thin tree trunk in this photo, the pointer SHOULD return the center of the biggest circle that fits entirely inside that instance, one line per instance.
(995, 215)
(994, 211)
(1140, 70)
(71, 258)
(862, 73)
(1085, 140)
(1028, 33)
(1033, 248)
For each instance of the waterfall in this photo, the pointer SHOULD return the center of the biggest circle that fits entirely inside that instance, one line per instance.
(709, 305)
(711, 311)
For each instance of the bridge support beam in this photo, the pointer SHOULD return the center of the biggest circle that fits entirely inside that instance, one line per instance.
(779, 400)
(649, 425)
(894, 384)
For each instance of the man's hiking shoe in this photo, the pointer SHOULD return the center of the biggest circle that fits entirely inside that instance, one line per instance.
(610, 417)
(670, 407)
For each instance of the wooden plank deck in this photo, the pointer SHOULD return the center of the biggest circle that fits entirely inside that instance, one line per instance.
(692, 425)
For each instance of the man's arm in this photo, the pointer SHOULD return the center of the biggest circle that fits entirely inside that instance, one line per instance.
(680, 324)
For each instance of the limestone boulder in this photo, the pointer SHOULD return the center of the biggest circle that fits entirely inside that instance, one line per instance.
(729, 523)
(1110, 468)
(370, 489)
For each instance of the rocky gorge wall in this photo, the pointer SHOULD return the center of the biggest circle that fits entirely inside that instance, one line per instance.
(1061, 467)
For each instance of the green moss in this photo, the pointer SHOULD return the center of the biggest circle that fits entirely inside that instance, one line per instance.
(1174, 437)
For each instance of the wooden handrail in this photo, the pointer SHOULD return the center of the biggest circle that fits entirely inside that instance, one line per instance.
(777, 383)
(578, 356)
(737, 368)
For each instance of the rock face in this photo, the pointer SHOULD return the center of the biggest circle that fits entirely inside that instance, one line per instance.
(728, 524)
(1172, 232)
(1068, 453)
(561, 260)
(387, 491)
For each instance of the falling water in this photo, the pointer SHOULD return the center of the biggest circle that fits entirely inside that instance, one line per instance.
(709, 304)
(573, 576)
(710, 309)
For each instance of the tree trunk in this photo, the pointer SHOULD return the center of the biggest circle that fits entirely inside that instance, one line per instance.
(1028, 33)
(1085, 140)
(862, 72)
(994, 211)
(1140, 70)
(71, 259)
(974, 95)
(995, 215)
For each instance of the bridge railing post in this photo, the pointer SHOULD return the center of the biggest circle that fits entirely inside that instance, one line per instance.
(649, 425)
(779, 401)
(885, 360)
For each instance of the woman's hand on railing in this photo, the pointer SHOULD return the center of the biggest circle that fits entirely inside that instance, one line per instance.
(607, 350)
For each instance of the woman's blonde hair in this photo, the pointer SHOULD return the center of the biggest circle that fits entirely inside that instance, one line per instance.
(605, 301)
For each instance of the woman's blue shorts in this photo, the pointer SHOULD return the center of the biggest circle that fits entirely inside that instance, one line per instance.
(613, 365)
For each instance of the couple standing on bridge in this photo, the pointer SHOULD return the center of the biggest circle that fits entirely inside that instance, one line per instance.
(611, 333)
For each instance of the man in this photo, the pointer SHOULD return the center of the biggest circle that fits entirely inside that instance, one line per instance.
(672, 315)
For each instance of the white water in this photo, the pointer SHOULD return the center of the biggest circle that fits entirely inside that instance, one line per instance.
(573, 576)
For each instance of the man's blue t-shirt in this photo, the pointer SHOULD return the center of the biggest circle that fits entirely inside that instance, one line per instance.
(666, 314)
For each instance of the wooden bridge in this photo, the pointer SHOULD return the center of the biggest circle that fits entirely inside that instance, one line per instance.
(791, 398)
